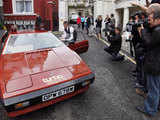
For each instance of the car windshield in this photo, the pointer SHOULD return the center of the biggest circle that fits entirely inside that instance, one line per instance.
(31, 41)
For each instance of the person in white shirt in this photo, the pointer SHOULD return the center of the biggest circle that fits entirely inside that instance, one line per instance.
(68, 32)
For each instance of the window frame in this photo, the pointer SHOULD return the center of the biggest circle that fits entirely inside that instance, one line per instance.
(24, 13)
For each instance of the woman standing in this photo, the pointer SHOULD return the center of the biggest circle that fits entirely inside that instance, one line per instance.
(98, 26)
(82, 22)
(88, 24)
(107, 23)
(78, 21)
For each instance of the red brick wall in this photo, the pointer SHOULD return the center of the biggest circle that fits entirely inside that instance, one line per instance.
(7, 6)
(41, 7)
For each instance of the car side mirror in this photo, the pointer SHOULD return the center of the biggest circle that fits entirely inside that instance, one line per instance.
(79, 46)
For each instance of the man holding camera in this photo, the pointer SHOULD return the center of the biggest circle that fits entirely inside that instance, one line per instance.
(151, 38)
(139, 51)
(115, 46)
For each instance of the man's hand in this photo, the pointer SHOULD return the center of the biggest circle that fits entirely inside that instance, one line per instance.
(140, 29)
(62, 39)
(138, 5)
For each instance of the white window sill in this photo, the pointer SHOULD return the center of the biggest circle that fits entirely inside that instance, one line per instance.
(20, 14)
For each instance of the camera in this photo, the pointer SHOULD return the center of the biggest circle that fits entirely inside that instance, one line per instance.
(140, 18)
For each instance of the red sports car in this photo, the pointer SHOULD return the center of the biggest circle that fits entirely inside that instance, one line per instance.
(37, 70)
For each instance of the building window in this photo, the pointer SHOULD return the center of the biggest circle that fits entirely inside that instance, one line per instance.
(22, 6)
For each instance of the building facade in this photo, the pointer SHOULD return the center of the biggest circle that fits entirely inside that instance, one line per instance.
(23, 13)
(69, 7)
(121, 8)
(79, 7)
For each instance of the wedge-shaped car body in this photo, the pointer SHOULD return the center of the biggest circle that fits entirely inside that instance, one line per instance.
(37, 70)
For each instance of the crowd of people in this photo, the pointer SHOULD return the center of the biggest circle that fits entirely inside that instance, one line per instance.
(112, 33)
(85, 22)
(144, 37)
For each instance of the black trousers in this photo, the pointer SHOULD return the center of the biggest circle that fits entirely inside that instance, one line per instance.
(114, 54)
(141, 76)
(82, 25)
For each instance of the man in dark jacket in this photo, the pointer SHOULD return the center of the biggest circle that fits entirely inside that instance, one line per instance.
(151, 39)
(38, 22)
(115, 46)
(88, 22)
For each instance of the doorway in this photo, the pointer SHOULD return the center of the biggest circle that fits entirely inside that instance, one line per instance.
(55, 20)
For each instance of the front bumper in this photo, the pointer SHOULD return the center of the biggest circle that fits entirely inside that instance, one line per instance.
(35, 98)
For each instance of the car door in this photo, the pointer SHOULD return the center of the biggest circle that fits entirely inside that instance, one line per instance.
(79, 46)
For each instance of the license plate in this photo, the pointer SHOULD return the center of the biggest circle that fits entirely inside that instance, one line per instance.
(58, 93)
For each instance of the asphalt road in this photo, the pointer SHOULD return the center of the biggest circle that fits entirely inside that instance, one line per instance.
(111, 97)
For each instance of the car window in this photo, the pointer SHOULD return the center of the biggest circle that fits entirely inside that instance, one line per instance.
(31, 41)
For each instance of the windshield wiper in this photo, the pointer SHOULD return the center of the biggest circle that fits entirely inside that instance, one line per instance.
(45, 48)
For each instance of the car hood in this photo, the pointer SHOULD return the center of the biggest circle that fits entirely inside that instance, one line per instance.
(21, 68)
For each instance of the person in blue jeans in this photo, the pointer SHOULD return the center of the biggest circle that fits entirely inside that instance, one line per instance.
(151, 39)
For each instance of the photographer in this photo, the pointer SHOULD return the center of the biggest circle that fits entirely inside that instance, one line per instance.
(151, 40)
(115, 46)
(139, 50)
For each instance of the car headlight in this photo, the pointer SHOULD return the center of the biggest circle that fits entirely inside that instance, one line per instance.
(22, 105)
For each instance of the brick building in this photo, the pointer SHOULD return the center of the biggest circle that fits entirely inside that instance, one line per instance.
(23, 13)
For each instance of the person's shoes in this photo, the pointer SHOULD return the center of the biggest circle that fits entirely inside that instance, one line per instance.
(106, 49)
(141, 92)
(134, 74)
(134, 71)
(159, 107)
(122, 58)
(119, 58)
(142, 110)
(137, 85)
